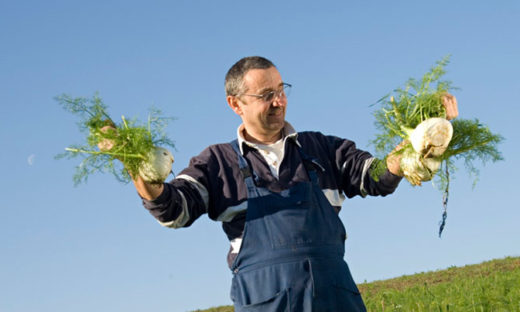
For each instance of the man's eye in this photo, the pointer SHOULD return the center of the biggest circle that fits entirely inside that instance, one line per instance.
(268, 96)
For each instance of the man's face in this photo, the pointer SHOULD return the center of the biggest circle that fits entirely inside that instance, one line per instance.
(260, 117)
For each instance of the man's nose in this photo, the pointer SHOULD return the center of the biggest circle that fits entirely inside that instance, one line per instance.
(279, 101)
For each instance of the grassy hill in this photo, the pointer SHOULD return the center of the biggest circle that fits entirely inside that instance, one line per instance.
(488, 286)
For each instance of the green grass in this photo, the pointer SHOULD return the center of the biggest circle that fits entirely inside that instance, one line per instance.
(488, 286)
(218, 309)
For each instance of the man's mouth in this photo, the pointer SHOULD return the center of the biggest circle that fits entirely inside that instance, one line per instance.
(276, 112)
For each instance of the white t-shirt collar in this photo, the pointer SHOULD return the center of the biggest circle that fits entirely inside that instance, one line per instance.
(288, 133)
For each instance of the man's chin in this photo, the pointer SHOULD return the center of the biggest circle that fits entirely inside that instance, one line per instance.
(277, 124)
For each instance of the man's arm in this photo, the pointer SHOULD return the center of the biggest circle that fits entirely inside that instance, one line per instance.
(179, 204)
(354, 174)
(175, 204)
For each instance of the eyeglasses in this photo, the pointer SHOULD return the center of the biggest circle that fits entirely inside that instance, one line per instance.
(271, 95)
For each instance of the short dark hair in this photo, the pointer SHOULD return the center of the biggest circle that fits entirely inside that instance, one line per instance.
(235, 74)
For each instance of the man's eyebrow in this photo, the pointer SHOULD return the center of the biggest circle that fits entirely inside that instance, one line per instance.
(263, 90)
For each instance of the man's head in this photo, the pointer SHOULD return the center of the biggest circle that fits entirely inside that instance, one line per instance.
(255, 91)
(235, 75)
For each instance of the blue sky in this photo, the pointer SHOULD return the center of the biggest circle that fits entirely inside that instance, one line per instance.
(94, 248)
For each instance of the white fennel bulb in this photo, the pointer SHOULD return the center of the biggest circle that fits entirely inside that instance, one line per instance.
(432, 137)
(158, 166)
(417, 169)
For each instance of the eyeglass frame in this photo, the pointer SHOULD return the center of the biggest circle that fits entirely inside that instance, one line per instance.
(274, 94)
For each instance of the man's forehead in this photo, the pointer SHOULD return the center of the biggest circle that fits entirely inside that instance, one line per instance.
(262, 79)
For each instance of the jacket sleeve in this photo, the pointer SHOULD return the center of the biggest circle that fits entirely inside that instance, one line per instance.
(354, 170)
(185, 198)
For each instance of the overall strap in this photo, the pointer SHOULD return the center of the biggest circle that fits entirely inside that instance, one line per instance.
(311, 165)
(245, 171)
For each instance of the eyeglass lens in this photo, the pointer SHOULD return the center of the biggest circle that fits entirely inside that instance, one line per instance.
(279, 93)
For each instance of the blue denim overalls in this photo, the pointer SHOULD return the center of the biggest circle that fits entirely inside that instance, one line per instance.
(291, 257)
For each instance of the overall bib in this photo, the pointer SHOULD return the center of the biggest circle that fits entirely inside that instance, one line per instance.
(291, 257)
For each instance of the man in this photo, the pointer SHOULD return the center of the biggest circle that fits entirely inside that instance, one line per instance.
(277, 193)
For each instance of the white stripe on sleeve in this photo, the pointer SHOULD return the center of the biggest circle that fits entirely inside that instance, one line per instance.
(183, 217)
(201, 188)
(334, 196)
(366, 166)
(236, 244)
(232, 211)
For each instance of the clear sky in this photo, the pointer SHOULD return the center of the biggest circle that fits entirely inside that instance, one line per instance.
(95, 248)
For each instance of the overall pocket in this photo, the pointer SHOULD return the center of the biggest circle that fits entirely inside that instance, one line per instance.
(311, 221)
(288, 225)
(270, 287)
(348, 297)
(335, 290)
(279, 302)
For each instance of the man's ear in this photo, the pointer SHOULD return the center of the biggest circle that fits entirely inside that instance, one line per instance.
(233, 104)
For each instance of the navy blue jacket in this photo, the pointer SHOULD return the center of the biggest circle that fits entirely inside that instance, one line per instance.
(213, 184)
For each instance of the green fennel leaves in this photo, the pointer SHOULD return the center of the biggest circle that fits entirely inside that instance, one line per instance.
(402, 110)
(131, 142)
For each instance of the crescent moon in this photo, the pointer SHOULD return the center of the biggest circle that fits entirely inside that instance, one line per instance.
(30, 159)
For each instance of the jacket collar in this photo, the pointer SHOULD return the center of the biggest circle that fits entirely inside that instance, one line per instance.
(288, 133)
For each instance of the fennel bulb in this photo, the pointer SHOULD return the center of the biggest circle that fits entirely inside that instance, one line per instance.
(158, 165)
(432, 137)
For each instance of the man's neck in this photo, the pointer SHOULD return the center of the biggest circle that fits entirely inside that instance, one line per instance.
(262, 139)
